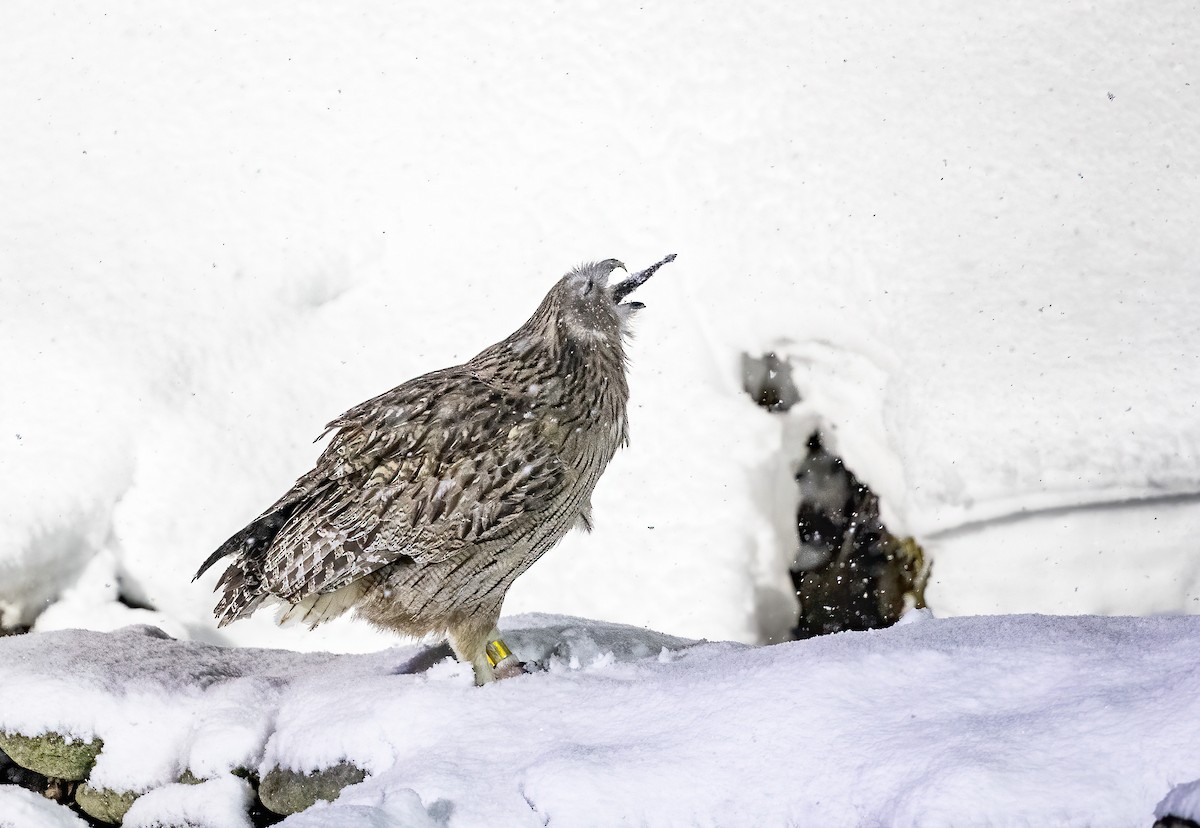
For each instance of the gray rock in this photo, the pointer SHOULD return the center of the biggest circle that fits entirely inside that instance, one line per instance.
(52, 755)
(289, 792)
(104, 804)
(189, 778)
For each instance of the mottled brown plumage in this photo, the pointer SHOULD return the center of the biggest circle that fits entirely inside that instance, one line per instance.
(433, 497)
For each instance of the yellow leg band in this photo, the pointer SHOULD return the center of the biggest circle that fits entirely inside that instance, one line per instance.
(496, 652)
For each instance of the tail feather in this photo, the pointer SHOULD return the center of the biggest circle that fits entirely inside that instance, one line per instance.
(240, 584)
(254, 538)
(238, 602)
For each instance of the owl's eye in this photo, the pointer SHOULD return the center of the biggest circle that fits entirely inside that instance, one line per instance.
(591, 283)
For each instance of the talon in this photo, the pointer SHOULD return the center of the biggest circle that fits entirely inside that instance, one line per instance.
(511, 667)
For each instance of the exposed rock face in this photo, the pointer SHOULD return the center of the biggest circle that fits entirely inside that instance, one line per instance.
(54, 767)
(850, 573)
(52, 755)
(768, 381)
(289, 792)
(11, 773)
(104, 804)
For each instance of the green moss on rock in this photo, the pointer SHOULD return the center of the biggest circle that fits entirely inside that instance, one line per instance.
(51, 754)
(288, 792)
(189, 778)
(104, 804)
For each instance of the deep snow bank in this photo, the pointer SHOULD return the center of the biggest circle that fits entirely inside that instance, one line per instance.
(1019, 720)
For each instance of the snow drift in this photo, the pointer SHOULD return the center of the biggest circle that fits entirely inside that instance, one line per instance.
(1014, 720)
(970, 231)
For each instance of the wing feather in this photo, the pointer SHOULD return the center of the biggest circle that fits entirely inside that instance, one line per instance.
(418, 473)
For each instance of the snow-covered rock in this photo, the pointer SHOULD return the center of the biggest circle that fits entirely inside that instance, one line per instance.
(1181, 803)
(20, 808)
(215, 803)
(931, 722)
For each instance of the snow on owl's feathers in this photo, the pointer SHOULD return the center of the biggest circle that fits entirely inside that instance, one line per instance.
(433, 497)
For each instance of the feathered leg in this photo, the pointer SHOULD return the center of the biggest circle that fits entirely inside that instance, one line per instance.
(468, 638)
(476, 640)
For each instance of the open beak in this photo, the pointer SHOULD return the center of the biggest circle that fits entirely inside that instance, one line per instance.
(636, 280)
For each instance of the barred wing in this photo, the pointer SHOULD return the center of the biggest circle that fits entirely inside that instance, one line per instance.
(439, 463)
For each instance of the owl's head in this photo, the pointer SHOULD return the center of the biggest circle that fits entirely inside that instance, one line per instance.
(592, 305)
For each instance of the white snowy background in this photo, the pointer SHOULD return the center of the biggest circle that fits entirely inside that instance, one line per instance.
(971, 230)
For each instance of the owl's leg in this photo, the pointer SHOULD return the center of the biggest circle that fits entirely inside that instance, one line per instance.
(476, 640)
(468, 639)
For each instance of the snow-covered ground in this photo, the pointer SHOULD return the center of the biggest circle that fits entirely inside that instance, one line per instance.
(1005, 720)
(971, 231)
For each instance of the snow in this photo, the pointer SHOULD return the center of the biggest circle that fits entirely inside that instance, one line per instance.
(1183, 802)
(1118, 559)
(216, 803)
(20, 808)
(969, 231)
(932, 722)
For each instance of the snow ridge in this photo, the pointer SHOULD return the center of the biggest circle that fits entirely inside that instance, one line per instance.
(932, 722)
